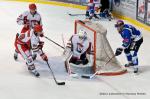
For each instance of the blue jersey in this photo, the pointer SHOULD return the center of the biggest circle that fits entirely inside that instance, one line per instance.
(91, 9)
(129, 34)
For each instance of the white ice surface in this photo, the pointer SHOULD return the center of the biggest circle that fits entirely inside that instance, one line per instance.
(17, 83)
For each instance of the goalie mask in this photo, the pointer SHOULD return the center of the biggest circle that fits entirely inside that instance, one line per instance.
(82, 34)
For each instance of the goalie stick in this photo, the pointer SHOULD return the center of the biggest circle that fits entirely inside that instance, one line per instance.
(90, 77)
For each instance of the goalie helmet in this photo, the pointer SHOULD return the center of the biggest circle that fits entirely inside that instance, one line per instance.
(32, 6)
(82, 34)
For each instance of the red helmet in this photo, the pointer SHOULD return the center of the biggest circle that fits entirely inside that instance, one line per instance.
(32, 6)
(38, 28)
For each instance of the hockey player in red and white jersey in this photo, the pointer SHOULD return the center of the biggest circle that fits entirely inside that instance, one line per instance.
(80, 44)
(37, 44)
(28, 19)
(23, 46)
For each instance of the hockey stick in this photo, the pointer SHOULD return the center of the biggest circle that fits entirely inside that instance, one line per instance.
(63, 40)
(58, 83)
(81, 14)
(54, 42)
(90, 77)
(75, 14)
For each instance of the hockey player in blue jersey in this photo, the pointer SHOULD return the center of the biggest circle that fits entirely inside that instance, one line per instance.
(132, 40)
(90, 11)
(106, 14)
(94, 10)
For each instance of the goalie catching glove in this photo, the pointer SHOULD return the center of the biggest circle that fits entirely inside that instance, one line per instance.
(118, 51)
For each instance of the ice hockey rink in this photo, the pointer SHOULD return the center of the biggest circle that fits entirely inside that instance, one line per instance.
(17, 83)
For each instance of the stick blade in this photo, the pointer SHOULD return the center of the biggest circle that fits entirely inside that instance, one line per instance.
(70, 14)
(85, 76)
(60, 83)
(75, 14)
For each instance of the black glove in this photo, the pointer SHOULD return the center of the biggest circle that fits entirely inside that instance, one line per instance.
(41, 43)
(118, 51)
(42, 35)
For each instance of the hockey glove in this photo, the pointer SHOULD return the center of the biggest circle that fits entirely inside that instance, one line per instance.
(41, 43)
(118, 51)
(42, 35)
(44, 57)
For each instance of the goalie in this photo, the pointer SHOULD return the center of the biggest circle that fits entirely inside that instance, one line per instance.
(79, 46)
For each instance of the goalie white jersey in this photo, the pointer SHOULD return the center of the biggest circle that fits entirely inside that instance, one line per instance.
(79, 46)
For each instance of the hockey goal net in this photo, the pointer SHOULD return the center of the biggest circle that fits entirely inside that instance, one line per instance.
(101, 48)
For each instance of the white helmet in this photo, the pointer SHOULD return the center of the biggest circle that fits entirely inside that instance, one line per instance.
(98, 5)
(82, 34)
(90, 4)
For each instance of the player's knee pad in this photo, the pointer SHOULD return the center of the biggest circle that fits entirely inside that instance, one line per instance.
(29, 61)
(28, 53)
(135, 53)
(34, 56)
(138, 44)
(129, 56)
(31, 67)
